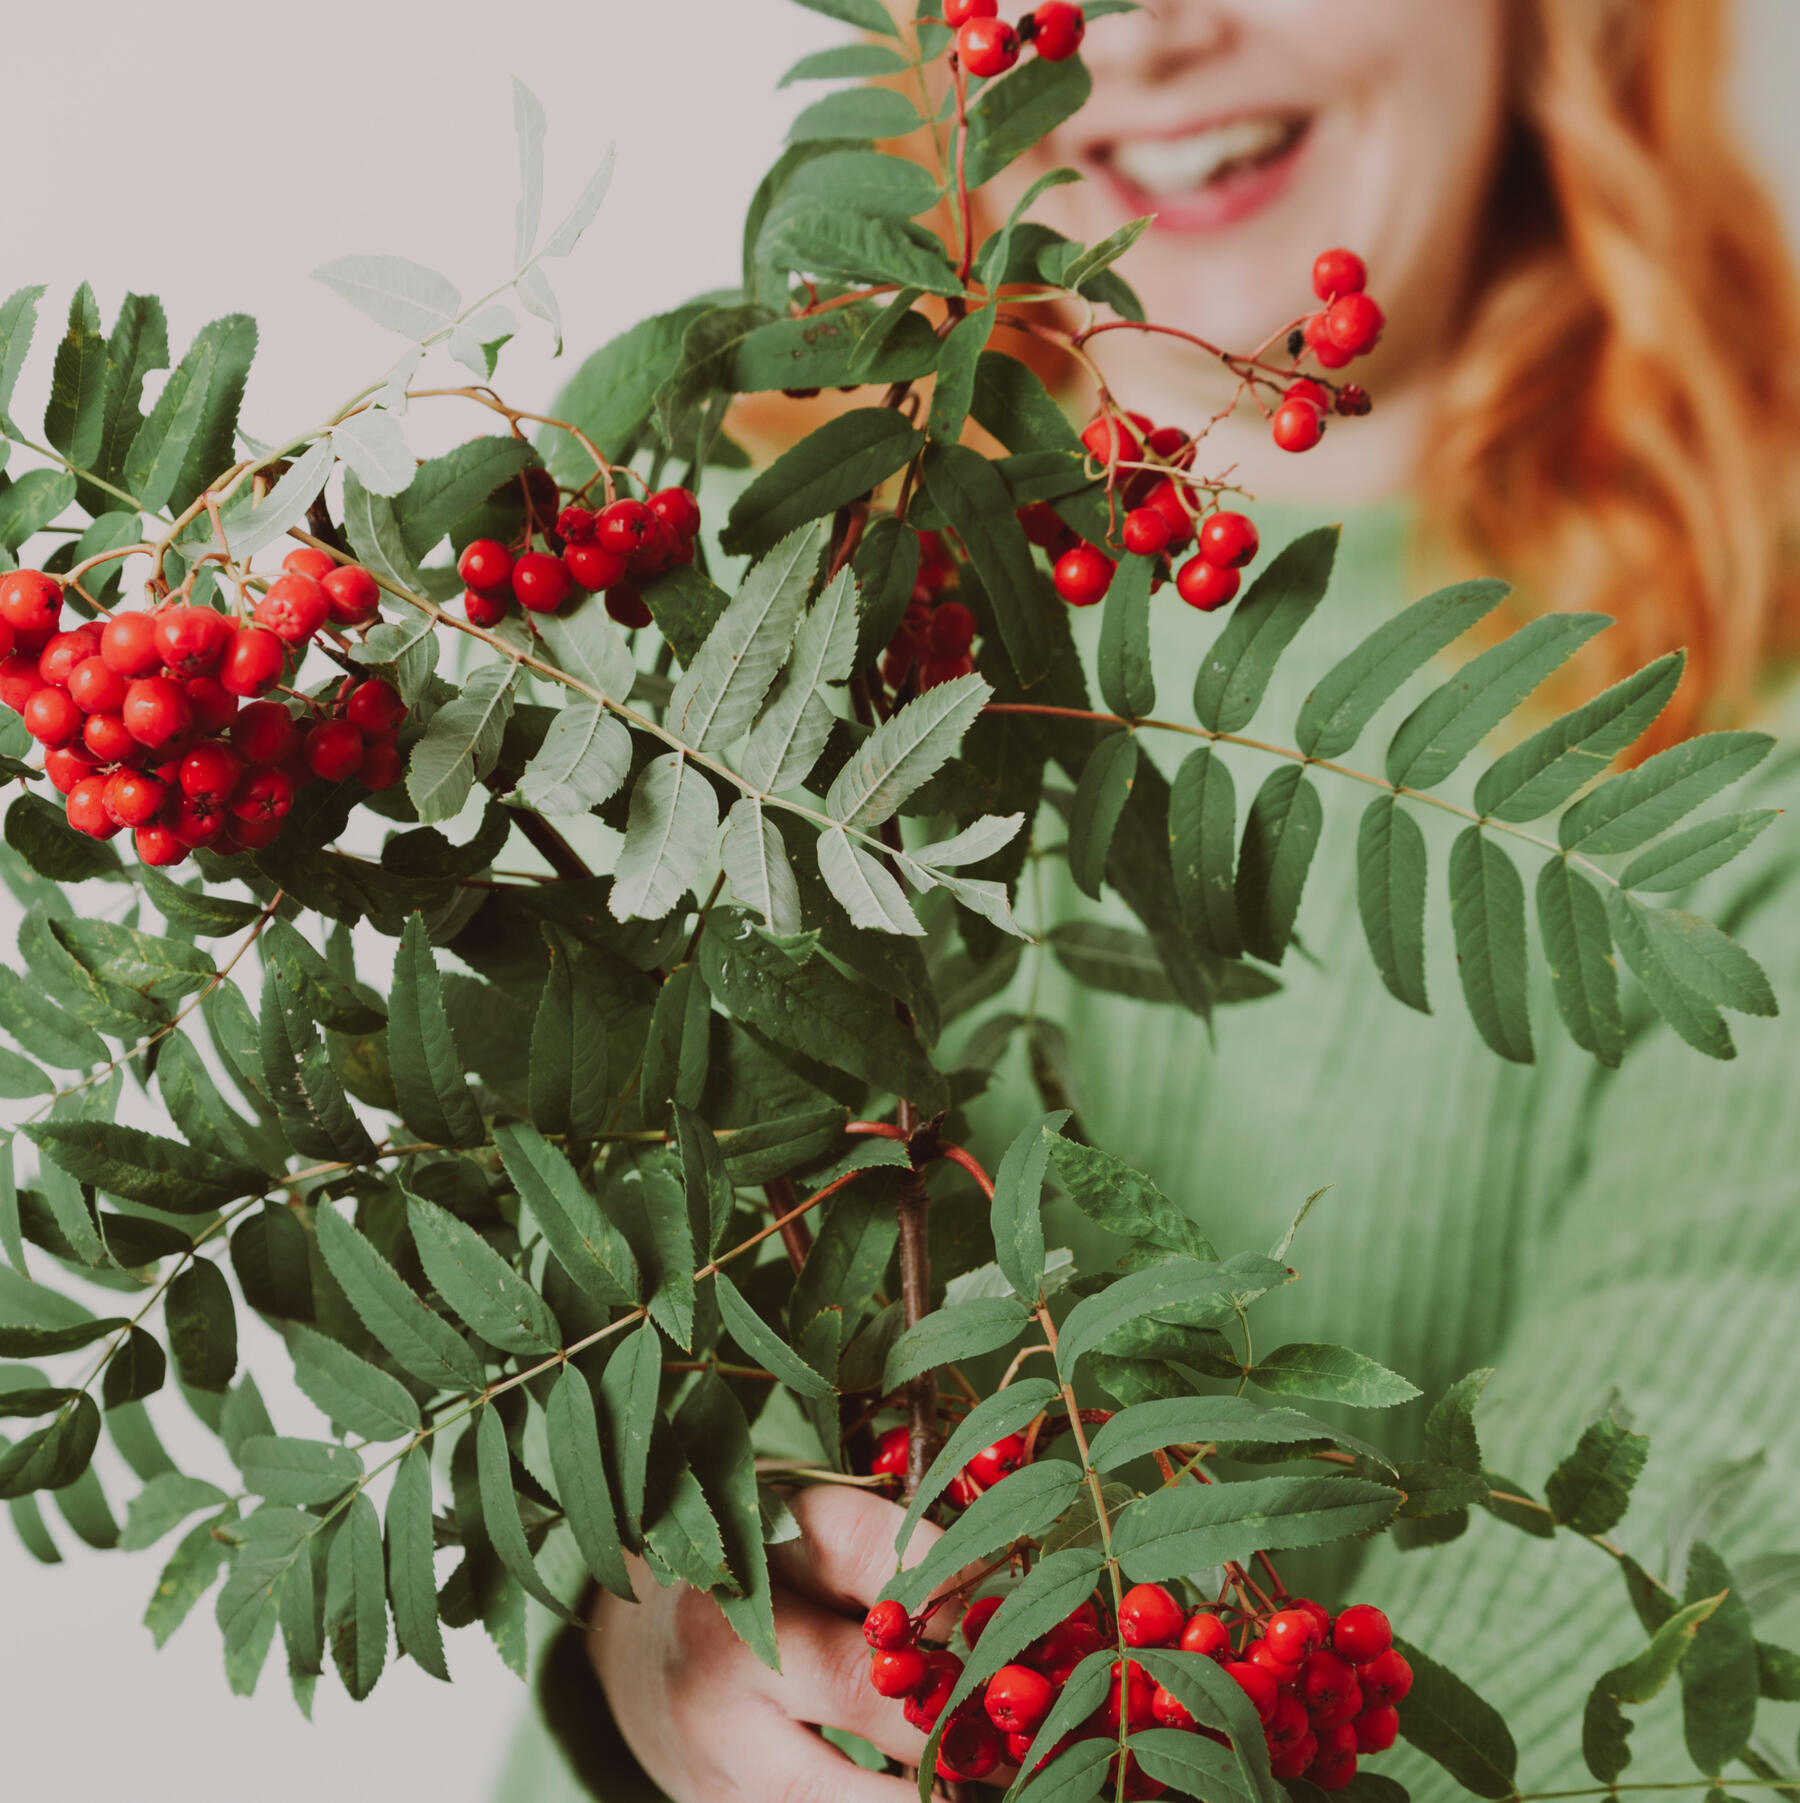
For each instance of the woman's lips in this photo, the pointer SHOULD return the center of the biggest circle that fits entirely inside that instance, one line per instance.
(1209, 176)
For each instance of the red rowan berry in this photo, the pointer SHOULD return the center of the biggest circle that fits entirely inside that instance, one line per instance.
(1257, 1685)
(1287, 1722)
(215, 707)
(294, 609)
(1170, 443)
(952, 629)
(1386, 1678)
(197, 823)
(128, 643)
(896, 1673)
(1328, 1687)
(51, 717)
(1205, 585)
(191, 640)
(1261, 1653)
(962, 1489)
(624, 526)
(1083, 576)
(381, 764)
(994, 1462)
(987, 47)
(594, 567)
(575, 525)
(486, 610)
(486, 566)
(1205, 1633)
(158, 844)
(264, 734)
(253, 661)
(264, 794)
(132, 798)
(1018, 1748)
(977, 1616)
(1292, 1634)
(887, 1627)
(1170, 1711)
(936, 670)
(30, 601)
(971, 1747)
(352, 595)
(333, 750)
(86, 808)
(1102, 434)
(96, 687)
(66, 765)
(56, 662)
(375, 707)
(678, 509)
(627, 606)
(1017, 1699)
(1149, 1616)
(1306, 389)
(1229, 540)
(247, 835)
(890, 1454)
(959, 12)
(1297, 426)
(1354, 324)
(1044, 527)
(1331, 1770)
(1362, 1631)
(210, 772)
(107, 738)
(540, 582)
(1167, 500)
(303, 560)
(19, 680)
(1336, 272)
(1133, 1695)
(1146, 531)
(1317, 1611)
(1352, 401)
(661, 550)
(1060, 28)
(1318, 337)
(932, 1692)
(1377, 1728)
(1291, 1761)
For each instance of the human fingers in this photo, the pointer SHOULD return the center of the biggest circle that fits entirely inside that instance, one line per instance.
(845, 1554)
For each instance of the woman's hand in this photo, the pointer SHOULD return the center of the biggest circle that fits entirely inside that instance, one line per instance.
(711, 1723)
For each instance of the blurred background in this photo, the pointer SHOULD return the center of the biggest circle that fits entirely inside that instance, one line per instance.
(214, 159)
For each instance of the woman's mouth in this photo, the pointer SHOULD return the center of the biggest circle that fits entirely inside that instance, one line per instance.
(1210, 175)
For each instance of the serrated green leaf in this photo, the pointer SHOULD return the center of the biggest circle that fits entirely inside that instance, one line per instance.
(824, 471)
(1390, 895)
(1449, 1723)
(628, 1389)
(55, 1036)
(447, 487)
(1154, 1290)
(360, 1397)
(904, 751)
(1100, 799)
(1634, 806)
(212, 446)
(1281, 834)
(41, 835)
(1008, 117)
(188, 1575)
(76, 414)
(18, 320)
(1708, 961)
(568, 1060)
(1331, 1374)
(201, 1320)
(429, 1080)
(309, 1099)
(356, 1599)
(298, 1472)
(862, 885)
(845, 62)
(461, 742)
(1216, 1699)
(1017, 1211)
(1578, 949)
(791, 730)
(1122, 1200)
(1604, 1728)
(162, 1505)
(1719, 1676)
(949, 1334)
(571, 1419)
(31, 503)
(1487, 911)
(478, 1283)
(1590, 1490)
(865, 15)
(757, 868)
(160, 445)
(669, 833)
(500, 1512)
(1202, 841)
(1698, 851)
(1688, 1012)
(134, 1371)
(581, 1239)
(1127, 677)
(411, 1579)
(144, 1167)
(585, 757)
(1202, 1420)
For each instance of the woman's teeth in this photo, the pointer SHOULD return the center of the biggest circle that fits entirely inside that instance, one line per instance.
(1185, 164)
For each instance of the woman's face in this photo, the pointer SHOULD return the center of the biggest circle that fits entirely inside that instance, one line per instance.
(1260, 132)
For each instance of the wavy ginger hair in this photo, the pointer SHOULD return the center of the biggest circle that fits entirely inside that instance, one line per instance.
(1620, 423)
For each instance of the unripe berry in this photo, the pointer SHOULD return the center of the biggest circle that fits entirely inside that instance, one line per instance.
(1060, 28)
(304, 560)
(1205, 585)
(375, 707)
(1102, 434)
(294, 609)
(994, 1462)
(624, 526)
(253, 661)
(594, 567)
(1083, 576)
(932, 1692)
(1149, 1616)
(1336, 272)
(897, 1673)
(1361, 1632)
(96, 687)
(66, 765)
(128, 643)
(30, 601)
(486, 610)
(1386, 1678)
(1297, 426)
(51, 717)
(86, 808)
(987, 47)
(333, 750)
(1353, 323)
(1017, 1699)
(132, 798)
(627, 606)
(352, 595)
(486, 566)
(1229, 540)
(1146, 531)
(1353, 401)
(540, 582)
(678, 509)
(1257, 1685)
(959, 12)
(1205, 1633)
(191, 640)
(887, 1627)
(1292, 1634)
(264, 734)
(57, 660)
(977, 1616)
(263, 795)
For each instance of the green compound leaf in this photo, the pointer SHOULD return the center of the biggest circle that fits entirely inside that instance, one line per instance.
(461, 743)
(201, 1320)
(1234, 675)
(1100, 799)
(1590, 1490)
(572, 1422)
(500, 1512)
(54, 1456)
(358, 1396)
(1171, 1532)
(356, 1599)
(1331, 1374)
(669, 833)
(1604, 1727)
(791, 730)
(763, 1344)
(756, 867)
(144, 1167)
(315, 1114)
(478, 1283)
(1017, 1211)
(1281, 834)
(1697, 851)
(1487, 911)
(429, 1081)
(904, 751)
(1008, 117)
(1391, 865)
(300, 1472)
(1544, 771)
(1203, 848)
(1349, 696)
(1200, 1420)
(1719, 1676)
(1122, 1200)
(826, 470)
(1578, 948)
(946, 1335)
(568, 1062)
(1633, 807)
(1688, 1012)
(1127, 678)
(411, 1578)
(581, 1239)
(1158, 1289)
(1449, 1723)
(1708, 961)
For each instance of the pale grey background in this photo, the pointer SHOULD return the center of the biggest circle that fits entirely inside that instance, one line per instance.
(213, 155)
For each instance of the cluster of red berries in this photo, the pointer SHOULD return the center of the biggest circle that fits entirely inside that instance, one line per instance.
(1348, 326)
(933, 642)
(1324, 1689)
(608, 552)
(141, 717)
(987, 45)
(1163, 516)
(982, 1472)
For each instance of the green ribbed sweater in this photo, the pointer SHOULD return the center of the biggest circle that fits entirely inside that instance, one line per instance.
(1573, 1229)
